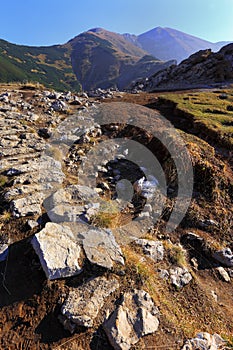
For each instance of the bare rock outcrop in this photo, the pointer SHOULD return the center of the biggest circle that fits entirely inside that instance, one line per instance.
(202, 69)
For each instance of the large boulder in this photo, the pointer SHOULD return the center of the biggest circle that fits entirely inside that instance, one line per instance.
(135, 317)
(84, 303)
(58, 251)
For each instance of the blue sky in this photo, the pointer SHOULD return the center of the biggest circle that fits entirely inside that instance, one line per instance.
(46, 22)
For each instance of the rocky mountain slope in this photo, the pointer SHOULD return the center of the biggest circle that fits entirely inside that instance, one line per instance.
(201, 69)
(105, 59)
(77, 273)
(167, 43)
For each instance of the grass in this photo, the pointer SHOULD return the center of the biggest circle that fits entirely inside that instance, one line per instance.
(108, 215)
(5, 217)
(3, 180)
(176, 254)
(208, 110)
(50, 66)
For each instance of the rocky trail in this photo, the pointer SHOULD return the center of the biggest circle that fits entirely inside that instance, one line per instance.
(83, 262)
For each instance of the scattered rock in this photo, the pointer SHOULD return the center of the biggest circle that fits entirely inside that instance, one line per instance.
(59, 106)
(135, 317)
(84, 303)
(224, 256)
(58, 251)
(204, 341)
(223, 274)
(101, 248)
(154, 249)
(180, 276)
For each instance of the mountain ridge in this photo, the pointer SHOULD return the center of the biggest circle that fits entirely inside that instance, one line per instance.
(157, 41)
(98, 58)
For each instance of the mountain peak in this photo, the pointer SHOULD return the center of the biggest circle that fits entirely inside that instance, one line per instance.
(97, 30)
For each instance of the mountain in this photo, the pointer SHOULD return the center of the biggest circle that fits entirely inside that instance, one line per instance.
(105, 59)
(98, 58)
(167, 43)
(202, 69)
(50, 65)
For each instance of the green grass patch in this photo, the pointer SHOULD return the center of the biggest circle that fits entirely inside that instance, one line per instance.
(208, 109)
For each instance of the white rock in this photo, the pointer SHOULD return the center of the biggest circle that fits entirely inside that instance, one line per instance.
(135, 317)
(223, 273)
(154, 249)
(180, 276)
(204, 341)
(27, 206)
(58, 251)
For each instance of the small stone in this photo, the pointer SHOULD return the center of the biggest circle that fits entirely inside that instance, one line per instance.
(214, 295)
(223, 274)
(32, 224)
(204, 341)
(164, 274)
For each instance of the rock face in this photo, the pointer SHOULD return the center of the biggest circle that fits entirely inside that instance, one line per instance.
(199, 70)
(58, 251)
(101, 248)
(135, 317)
(84, 303)
(204, 341)
(154, 249)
